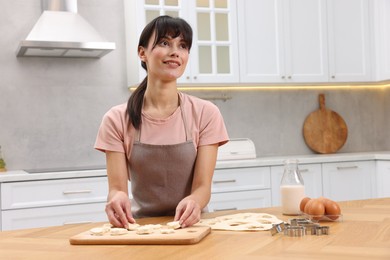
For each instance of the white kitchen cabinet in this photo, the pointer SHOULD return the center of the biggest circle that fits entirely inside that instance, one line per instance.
(214, 52)
(288, 41)
(349, 180)
(39, 203)
(350, 50)
(240, 188)
(30, 194)
(53, 216)
(383, 179)
(282, 41)
(381, 22)
(312, 178)
(236, 200)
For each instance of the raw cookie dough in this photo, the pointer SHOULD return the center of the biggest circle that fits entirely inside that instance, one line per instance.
(167, 231)
(97, 231)
(118, 231)
(174, 224)
(144, 230)
(242, 222)
(132, 227)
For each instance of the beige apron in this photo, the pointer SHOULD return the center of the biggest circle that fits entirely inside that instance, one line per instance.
(161, 175)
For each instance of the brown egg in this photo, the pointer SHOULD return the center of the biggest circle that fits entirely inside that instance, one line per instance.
(308, 206)
(316, 209)
(303, 203)
(323, 199)
(332, 209)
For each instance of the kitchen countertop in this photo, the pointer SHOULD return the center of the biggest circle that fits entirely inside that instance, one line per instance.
(20, 175)
(364, 233)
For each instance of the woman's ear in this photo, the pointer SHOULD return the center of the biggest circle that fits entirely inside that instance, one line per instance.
(141, 53)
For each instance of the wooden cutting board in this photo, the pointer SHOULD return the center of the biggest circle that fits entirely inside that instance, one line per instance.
(183, 236)
(324, 130)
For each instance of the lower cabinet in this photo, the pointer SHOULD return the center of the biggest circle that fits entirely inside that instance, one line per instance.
(383, 179)
(349, 180)
(240, 188)
(54, 202)
(53, 216)
(41, 203)
(236, 200)
(312, 178)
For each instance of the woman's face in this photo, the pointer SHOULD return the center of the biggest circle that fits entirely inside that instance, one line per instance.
(166, 60)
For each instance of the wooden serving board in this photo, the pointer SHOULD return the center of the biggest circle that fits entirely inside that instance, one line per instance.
(182, 236)
(324, 130)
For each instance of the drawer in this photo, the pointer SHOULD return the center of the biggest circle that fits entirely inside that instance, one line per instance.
(30, 194)
(349, 180)
(240, 200)
(237, 179)
(53, 216)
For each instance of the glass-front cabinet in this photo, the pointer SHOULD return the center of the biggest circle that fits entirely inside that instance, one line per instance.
(214, 52)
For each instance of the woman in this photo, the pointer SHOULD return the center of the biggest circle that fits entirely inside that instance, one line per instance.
(164, 141)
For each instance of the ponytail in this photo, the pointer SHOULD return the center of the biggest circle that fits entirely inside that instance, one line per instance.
(134, 105)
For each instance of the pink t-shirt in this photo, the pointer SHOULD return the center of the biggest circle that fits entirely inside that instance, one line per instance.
(204, 122)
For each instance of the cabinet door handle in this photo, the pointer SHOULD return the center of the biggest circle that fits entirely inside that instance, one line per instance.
(67, 192)
(225, 209)
(304, 170)
(347, 167)
(224, 181)
(77, 222)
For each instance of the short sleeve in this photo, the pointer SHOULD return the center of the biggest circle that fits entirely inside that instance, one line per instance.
(110, 135)
(212, 127)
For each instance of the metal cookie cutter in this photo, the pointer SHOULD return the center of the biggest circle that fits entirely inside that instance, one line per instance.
(295, 231)
(321, 230)
(310, 228)
(300, 221)
(278, 228)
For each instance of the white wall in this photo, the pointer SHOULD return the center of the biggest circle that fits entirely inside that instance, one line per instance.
(50, 108)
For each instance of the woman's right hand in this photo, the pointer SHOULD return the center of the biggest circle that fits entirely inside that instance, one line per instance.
(118, 209)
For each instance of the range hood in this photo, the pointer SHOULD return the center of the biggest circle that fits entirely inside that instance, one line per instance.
(62, 32)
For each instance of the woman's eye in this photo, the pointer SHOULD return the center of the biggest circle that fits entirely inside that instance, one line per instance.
(183, 46)
(164, 43)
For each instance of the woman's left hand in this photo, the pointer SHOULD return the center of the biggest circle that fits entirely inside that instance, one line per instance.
(187, 212)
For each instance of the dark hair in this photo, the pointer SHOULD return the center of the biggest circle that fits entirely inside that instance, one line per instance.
(162, 26)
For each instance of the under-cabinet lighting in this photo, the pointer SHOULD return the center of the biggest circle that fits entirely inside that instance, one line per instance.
(278, 87)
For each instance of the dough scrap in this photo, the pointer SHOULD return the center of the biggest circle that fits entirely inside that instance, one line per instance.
(174, 225)
(98, 231)
(118, 231)
(153, 226)
(145, 230)
(167, 231)
(132, 227)
(107, 227)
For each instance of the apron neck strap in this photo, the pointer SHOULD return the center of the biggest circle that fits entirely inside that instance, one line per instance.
(188, 134)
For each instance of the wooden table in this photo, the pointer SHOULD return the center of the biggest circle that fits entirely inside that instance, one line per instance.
(363, 234)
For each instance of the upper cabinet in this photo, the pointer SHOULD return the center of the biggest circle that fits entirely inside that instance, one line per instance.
(350, 55)
(214, 52)
(273, 41)
(381, 21)
(290, 41)
(282, 41)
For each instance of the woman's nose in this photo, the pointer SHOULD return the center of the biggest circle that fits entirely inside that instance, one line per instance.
(174, 52)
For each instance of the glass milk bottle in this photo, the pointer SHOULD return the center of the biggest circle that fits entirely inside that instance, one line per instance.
(292, 189)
